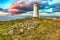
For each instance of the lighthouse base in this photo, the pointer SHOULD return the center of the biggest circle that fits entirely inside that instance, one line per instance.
(35, 17)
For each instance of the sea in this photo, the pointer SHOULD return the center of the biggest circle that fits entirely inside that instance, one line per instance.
(28, 15)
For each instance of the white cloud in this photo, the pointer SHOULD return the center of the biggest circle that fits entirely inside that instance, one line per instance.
(3, 13)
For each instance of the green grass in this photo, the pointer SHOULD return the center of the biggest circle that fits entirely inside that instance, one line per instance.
(46, 29)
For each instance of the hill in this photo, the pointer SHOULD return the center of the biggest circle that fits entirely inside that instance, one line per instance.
(30, 29)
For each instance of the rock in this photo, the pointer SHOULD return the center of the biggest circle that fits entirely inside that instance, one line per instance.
(11, 32)
(15, 25)
(21, 24)
(25, 25)
(15, 38)
(32, 27)
(21, 30)
(28, 28)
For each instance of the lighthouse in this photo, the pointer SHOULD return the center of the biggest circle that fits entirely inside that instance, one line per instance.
(35, 10)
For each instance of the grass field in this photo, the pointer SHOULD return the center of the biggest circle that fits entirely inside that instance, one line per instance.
(33, 29)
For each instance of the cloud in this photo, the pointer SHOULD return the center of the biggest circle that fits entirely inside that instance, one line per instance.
(21, 6)
(56, 7)
(1, 10)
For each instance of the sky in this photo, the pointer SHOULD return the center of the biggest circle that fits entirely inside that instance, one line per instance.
(22, 6)
(6, 3)
(25, 6)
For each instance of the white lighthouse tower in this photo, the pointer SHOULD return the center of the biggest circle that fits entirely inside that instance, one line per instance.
(35, 10)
